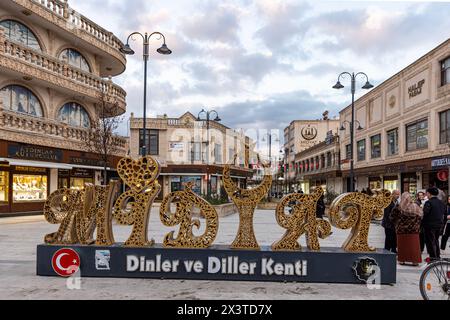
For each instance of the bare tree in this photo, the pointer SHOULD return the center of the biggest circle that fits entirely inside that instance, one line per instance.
(101, 138)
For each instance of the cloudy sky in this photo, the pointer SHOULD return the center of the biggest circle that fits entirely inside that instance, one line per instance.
(264, 63)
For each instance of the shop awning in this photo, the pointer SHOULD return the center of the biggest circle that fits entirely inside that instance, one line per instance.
(92, 167)
(36, 164)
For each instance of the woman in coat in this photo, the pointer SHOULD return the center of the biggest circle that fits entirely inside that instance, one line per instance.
(407, 217)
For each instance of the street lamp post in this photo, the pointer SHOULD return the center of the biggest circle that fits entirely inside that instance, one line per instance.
(367, 86)
(146, 53)
(270, 135)
(208, 118)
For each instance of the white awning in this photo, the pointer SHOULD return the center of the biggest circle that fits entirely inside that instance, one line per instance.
(36, 164)
(92, 167)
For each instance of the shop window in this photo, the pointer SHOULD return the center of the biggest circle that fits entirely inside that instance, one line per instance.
(392, 142)
(28, 188)
(361, 149)
(75, 59)
(20, 99)
(80, 183)
(375, 183)
(151, 140)
(348, 152)
(444, 127)
(375, 144)
(417, 135)
(74, 115)
(390, 183)
(3, 187)
(445, 71)
(17, 32)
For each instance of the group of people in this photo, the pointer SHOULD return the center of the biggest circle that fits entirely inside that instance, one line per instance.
(411, 225)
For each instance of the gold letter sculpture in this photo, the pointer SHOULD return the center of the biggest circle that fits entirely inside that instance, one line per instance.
(302, 219)
(185, 202)
(356, 210)
(133, 206)
(246, 201)
(79, 212)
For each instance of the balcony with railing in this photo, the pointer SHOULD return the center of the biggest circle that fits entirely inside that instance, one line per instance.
(21, 128)
(35, 64)
(60, 14)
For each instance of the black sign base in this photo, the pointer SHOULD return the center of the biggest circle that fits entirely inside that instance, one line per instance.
(330, 265)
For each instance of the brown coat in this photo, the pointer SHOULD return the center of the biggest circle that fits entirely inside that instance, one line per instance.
(405, 222)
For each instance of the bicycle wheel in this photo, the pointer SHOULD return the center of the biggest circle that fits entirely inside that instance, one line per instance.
(434, 281)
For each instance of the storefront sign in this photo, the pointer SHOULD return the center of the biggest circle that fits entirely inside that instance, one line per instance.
(86, 161)
(416, 89)
(31, 169)
(176, 146)
(34, 153)
(82, 173)
(440, 162)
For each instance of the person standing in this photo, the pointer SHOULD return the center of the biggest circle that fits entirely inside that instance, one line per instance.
(320, 207)
(407, 217)
(446, 234)
(421, 199)
(390, 242)
(434, 211)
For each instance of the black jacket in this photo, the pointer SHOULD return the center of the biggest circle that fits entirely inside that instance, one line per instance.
(320, 208)
(387, 223)
(434, 212)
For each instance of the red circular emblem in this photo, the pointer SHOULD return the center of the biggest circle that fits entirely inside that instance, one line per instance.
(66, 262)
(443, 175)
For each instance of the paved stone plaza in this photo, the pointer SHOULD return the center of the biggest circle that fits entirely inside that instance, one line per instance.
(19, 237)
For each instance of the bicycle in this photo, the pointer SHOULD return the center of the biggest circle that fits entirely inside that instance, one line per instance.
(435, 280)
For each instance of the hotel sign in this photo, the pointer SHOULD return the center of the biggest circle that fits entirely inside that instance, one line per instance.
(440, 162)
(416, 89)
(30, 152)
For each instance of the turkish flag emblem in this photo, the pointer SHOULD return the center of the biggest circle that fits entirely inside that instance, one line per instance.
(66, 262)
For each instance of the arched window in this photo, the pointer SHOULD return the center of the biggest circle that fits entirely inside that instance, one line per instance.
(75, 58)
(75, 115)
(17, 32)
(20, 99)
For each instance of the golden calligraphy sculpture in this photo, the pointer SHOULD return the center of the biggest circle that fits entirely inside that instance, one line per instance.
(79, 212)
(356, 210)
(133, 206)
(302, 219)
(185, 201)
(246, 201)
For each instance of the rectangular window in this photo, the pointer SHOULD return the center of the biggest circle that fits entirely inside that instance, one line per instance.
(218, 153)
(29, 188)
(375, 143)
(417, 135)
(392, 142)
(444, 127)
(196, 151)
(151, 141)
(348, 152)
(445, 71)
(361, 146)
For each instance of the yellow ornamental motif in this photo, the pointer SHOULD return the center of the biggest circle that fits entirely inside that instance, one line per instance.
(302, 219)
(246, 201)
(79, 213)
(185, 201)
(356, 210)
(62, 207)
(133, 206)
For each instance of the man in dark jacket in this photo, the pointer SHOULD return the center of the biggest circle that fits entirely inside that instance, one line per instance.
(434, 211)
(320, 208)
(390, 242)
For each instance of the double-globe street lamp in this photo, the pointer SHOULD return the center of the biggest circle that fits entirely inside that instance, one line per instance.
(338, 86)
(207, 118)
(146, 53)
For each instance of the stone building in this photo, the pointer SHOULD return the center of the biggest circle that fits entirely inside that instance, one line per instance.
(181, 146)
(320, 166)
(55, 64)
(299, 136)
(405, 139)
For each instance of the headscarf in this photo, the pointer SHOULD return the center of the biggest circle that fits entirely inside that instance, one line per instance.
(408, 206)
